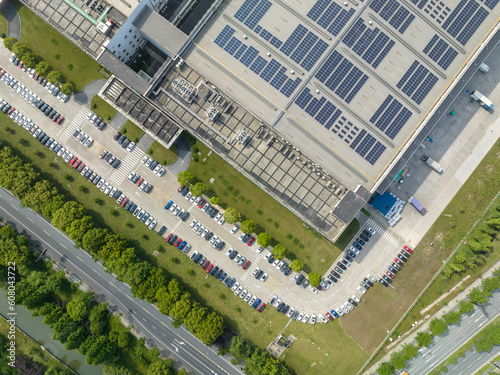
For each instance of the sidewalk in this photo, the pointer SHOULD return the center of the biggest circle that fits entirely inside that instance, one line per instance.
(410, 336)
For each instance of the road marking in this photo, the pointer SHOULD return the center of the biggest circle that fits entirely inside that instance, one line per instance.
(47, 233)
(95, 270)
(113, 284)
(30, 219)
(63, 246)
(202, 354)
(144, 319)
(146, 311)
(79, 258)
(164, 324)
(130, 298)
(18, 210)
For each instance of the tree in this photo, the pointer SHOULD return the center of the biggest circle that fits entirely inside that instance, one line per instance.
(213, 328)
(76, 339)
(110, 368)
(20, 50)
(70, 212)
(29, 60)
(160, 368)
(68, 88)
(314, 279)
(479, 297)
(239, 348)
(491, 283)
(453, 317)
(487, 338)
(409, 351)
(438, 327)
(97, 319)
(79, 307)
(198, 189)
(494, 223)
(248, 226)
(466, 307)
(264, 239)
(385, 369)
(50, 207)
(39, 194)
(94, 240)
(9, 43)
(123, 339)
(185, 178)
(231, 215)
(147, 289)
(195, 320)
(214, 200)
(296, 265)
(398, 360)
(63, 328)
(55, 76)
(43, 69)
(79, 228)
(280, 251)
(424, 339)
(181, 308)
(98, 349)
(113, 247)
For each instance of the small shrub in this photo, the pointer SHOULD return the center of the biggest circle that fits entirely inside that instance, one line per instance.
(195, 158)
(51, 164)
(128, 224)
(260, 212)
(135, 140)
(2, 35)
(190, 272)
(124, 130)
(289, 236)
(67, 177)
(6, 128)
(276, 224)
(221, 296)
(158, 247)
(70, 67)
(144, 236)
(150, 152)
(93, 106)
(163, 161)
(206, 285)
(174, 260)
(195, 149)
(238, 309)
(108, 118)
(235, 361)
(113, 212)
(81, 188)
(58, 57)
(55, 41)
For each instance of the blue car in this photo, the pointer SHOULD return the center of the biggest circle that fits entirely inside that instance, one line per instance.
(223, 276)
(170, 203)
(334, 313)
(392, 269)
(357, 245)
(181, 245)
(132, 209)
(231, 282)
(214, 271)
(256, 304)
(228, 279)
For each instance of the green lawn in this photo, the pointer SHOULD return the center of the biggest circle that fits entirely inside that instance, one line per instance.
(57, 50)
(133, 132)
(235, 190)
(102, 108)
(162, 155)
(3, 24)
(348, 234)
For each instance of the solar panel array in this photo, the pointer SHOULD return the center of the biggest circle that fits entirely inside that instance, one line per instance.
(491, 3)
(393, 12)
(252, 11)
(371, 44)
(391, 116)
(417, 82)
(440, 51)
(341, 76)
(464, 20)
(419, 3)
(326, 113)
(304, 47)
(270, 71)
(330, 16)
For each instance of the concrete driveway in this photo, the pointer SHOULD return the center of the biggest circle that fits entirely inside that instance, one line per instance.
(13, 21)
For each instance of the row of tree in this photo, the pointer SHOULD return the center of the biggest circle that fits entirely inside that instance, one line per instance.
(257, 362)
(78, 323)
(232, 216)
(146, 281)
(439, 326)
(42, 68)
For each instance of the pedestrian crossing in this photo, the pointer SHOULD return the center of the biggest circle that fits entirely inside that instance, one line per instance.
(76, 123)
(384, 233)
(127, 165)
(252, 267)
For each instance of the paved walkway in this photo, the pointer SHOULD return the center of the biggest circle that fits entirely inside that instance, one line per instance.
(13, 21)
(183, 156)
(85, 96)
(118, 121)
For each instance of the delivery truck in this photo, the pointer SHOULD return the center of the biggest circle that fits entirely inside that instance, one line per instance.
(417, 205)
(432, 163)
(483, 100)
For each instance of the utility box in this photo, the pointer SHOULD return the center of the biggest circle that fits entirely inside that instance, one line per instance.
(484, 68)
(483, 100)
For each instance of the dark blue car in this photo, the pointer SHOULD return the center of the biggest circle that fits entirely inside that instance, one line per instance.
(214, 271)
(357, 245)
(231, 282)
(167, 206)
(223, 276)
(182, 245)
(334, 313)
(393, 270)
(256, 304)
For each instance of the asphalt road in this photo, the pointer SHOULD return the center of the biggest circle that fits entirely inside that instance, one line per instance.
(178, 344)
(13, 19)
(457, 335)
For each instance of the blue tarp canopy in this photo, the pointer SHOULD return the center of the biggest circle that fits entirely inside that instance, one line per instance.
(383, 203)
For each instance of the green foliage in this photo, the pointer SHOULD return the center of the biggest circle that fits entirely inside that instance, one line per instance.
(261, 363)
(424, 339)
(55, 76)
(198, 189)
(490, 284)
(239, 348)
(68, 88)
(480, 297)
(13, 247)
(280, 252)
(185, 178)
(409, 351)
(248, 226)
(487, 338)
(160, 368)
(466, 307)
(123, 339)
(9, 43)
(214, 200)
(314, 279)
(97, 319)
(453, 317)
(20, 50)
(398, 360)
(264, 239)
(29, 60)
(438, 327)
(231, 215)
(297, 265)
(79, 307)
(43, 69)
(70, 212)
(385, 369)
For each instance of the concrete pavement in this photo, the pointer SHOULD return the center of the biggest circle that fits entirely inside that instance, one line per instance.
(179, 344)
(13, 20)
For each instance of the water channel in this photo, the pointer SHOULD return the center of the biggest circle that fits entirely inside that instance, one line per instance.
(34, 327)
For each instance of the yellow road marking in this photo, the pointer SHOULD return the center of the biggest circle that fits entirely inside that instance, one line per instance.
(47, 233)
(187, 342)
(95, 271)
(79, 258)
(30, 219)
(146, 311)
(130, 298)
(164, 324)
(63, 245)
(113, 284)
(14, 207)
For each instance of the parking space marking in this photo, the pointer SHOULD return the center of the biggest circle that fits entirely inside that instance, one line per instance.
(272, 284)
(75, 123)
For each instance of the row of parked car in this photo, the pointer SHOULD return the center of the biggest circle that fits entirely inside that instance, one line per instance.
(31, 97)
(154, 166)
(83, 138)
(140, 182)
(98, 122)
(401, 258)
(53, 89)
(123, 141)
(109, 158)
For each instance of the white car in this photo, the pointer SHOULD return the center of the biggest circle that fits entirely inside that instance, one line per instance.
(235, 286)
(143, 185)
(221, 221)
(218, 216)
(177, 210)
(322, 318)
(131, 176)
(205, 231)
(229, 251)
(371, 230)
(193, 223)
(103, 186)
(113, 191)
(355, 298)
(137, 211)
(305, 318)
(141, 214)
(290, 312)
(344, 309)
(130, 146)
(313, 289)
(299, 318)
(149, 220)
(101, 183)
(235, 228)
(339, 311)
(197, 200)
(181, 212)
(161, 172)
(188, 196)
(238, 291)
(61, 151)
(372, 279)
(84, 170)
(313, 319)
(173, 207)
(361, 289)
(205, 207)
(157, 169)
(247, 297)
(145, 159)
(152, 225)
(349, 306)
(255, 270)
(200, 230)
(279, 264)
(238, 258)
(252, 301)
(213, 239)
(197, 226)
(148, 163)
(108, 189)
(243, 294)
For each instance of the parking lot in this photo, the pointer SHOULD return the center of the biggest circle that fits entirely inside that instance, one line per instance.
(301, 299)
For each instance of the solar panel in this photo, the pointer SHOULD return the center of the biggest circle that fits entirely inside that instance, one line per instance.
(356, 88)
(387, 117)
(339, 74)
(365, 145)
(314, 55)
(447, 58)
(325, 113)
(249, 56)
(240, 52)
(419, 3)
(304, 47)
(314, 106)
(276, 42)
(375, 47)
(270, 70)
(431, 44)
(438, 50)
(258, 65)
(398, 123)
(334, 118)
(472, 26)
(358, 138)
(304, 98)
(290, 86)
(415, 80)
(399, 17)
(257, 14)
(279, 79)
(377, 5)
(258, 29)
(349, 82)
(407, 75)
(491, 3)
(407, 23)
(340, 21)
(454, 14)
(318, 9)
(232, 46)
(389, 9)
(424, 88)
(383, 54)
(224, 36)
(375, 153)
(327, 17)
(354, 33)
(381, 109)
(462, 18)
(328, 66)
(364, 42)
(266, 35)
(245, 10)
(294, 39)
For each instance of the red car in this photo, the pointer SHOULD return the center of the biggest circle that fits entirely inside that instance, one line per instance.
(209, 268)
(329, 316)
(251, 241)
(124, 202)
(178, 242)
(60, 120)
(180, 188)
(169, 237)
(398, 261)
(201, 203)
(20, 65)
(9, 112)
(139, 182)
(117, 135)
(261, 307)
(77, 163)
(36, 77)
(390, 274)
(73, 160)
(2, 72)
(408, 249)
(205, 265)
(246, 265)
